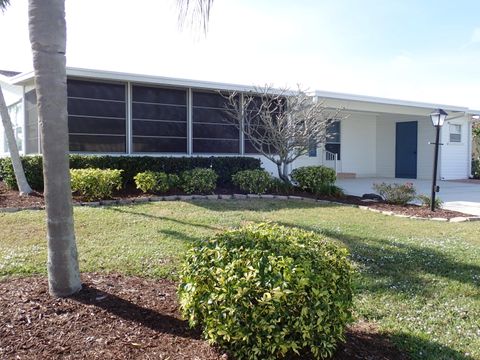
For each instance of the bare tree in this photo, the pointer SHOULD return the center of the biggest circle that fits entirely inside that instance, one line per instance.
(282, 125)
(195, 13)
(22, 183)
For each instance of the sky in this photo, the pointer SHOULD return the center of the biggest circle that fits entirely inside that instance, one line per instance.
(419, 50)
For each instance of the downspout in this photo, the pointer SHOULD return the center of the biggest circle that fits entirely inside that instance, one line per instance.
(469, 145)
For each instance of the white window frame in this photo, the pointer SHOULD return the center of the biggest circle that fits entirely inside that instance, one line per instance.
(455, 129)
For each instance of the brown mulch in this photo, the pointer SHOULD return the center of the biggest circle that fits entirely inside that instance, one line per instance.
(10, 198)
(119, 317)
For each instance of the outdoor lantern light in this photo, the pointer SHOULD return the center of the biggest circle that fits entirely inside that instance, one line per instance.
(438, 118)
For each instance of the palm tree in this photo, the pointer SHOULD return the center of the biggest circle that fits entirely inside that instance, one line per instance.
(47, 28)
(22, 183)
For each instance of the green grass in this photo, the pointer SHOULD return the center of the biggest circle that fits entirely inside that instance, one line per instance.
(418, 280)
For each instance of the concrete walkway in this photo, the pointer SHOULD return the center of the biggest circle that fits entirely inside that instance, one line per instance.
(456, 195)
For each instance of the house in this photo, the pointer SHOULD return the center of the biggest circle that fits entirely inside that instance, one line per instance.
(129, 114)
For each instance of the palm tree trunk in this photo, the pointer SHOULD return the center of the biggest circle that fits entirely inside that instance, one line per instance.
(22, 183)
(47, 30)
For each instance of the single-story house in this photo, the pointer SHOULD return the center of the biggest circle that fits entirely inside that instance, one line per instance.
(129, 114)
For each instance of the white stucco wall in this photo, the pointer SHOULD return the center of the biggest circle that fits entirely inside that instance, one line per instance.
(358, 144)
(455, 157)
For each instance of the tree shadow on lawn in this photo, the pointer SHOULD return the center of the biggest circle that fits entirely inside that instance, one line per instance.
(401, 265)
(156, 217)
(257, 205)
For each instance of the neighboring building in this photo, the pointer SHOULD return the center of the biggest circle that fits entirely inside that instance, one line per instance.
(128, 114)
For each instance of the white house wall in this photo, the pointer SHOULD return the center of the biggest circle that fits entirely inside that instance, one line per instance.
(358, 144)
(455, 157)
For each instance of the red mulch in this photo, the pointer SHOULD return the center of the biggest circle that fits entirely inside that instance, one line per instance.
(119, 317)
(10, 198)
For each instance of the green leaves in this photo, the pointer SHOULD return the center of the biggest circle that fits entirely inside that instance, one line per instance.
(319, 180)
(150, 181)
(266, 291)
(253, 181)
(95, 184)
(199, 180)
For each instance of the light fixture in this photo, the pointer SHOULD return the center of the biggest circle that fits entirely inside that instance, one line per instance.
(438, 117)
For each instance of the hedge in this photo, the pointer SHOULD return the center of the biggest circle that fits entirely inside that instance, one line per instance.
(224, 166)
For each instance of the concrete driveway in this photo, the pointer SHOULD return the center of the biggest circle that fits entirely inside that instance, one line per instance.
(456, 195)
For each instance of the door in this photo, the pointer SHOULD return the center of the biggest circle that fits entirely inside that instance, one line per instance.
(406, 150)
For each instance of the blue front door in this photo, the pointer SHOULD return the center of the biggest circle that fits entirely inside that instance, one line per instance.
(406, 150)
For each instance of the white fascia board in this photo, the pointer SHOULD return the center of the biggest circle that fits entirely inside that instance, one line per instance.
(386, 101)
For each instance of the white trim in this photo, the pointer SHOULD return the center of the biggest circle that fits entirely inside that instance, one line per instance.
(128, 120)
(189, 121)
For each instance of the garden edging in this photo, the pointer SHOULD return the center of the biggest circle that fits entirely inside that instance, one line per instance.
(146, 199)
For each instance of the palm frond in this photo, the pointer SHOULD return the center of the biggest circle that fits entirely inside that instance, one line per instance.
(4, 4)
(194, 13)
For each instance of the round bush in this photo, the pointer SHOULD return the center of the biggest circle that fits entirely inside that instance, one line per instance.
(199, 180)
(266, 291)
(150, 181)
(253, 181)
(314, 179)
(96, 184)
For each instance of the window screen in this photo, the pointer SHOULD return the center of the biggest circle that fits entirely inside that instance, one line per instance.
(333, 138)
(159, 119)
(213, 131)
(455, 133)
(96, 116)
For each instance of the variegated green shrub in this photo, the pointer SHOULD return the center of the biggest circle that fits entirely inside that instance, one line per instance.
(95, 184)
(267, 291)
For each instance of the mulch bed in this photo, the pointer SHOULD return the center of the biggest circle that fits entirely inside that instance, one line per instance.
(119, 317)
(10, 198)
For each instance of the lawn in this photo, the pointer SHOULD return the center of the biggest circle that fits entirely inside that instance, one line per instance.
(419, 281)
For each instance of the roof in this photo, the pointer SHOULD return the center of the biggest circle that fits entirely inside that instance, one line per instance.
(8, 73)
(27, 77)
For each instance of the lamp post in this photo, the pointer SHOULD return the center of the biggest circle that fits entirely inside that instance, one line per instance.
(438, 118)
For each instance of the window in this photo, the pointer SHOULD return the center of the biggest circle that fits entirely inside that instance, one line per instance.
(312, 148)
(31, 122)
(15, 111)
(96, 116)
(332, 143)
(159, 119)
(213, 131)
(455, 133)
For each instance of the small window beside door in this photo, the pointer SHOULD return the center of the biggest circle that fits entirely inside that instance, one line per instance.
(455, 133)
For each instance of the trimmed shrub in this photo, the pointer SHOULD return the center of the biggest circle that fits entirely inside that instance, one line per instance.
(150, 181)
(267, 291)
(398, 194)
(199, 180)
(95, 184)
(476, 168)
(253, 181)
(32, 166)
(427, 201)
(225, 167)
(314, 179)
(280, 187)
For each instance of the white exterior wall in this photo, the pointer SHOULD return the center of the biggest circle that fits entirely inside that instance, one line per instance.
(386, 134)
(358, 144)
(455, 157)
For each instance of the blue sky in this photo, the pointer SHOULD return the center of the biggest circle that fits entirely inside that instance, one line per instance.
(422, 50)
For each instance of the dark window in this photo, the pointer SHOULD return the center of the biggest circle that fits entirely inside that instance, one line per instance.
(149, 144)
(159, 95)
(333, 138)
(96, 116)
(97, 143)
(214, 131)
(95, 90)
(159, 119)
(312, 148)
(31, 130)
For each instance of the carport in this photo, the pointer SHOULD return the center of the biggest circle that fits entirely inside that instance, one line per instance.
(462, 195)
